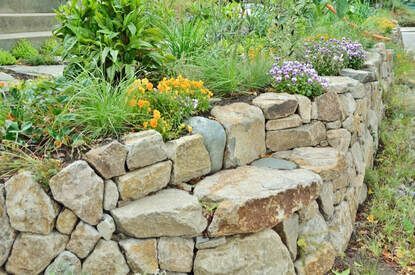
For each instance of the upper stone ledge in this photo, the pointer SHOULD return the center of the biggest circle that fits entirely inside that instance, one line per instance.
(343, 84)
(250, 199)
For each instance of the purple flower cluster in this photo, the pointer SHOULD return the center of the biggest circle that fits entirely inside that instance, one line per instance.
(297, 77)
(330, 56)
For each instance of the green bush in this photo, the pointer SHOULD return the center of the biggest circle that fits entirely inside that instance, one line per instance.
(6, 58)
(51, 47)
(24, 50)
(116, 36)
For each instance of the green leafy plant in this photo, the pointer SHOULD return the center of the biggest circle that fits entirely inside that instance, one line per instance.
(6, 58)
(23, 49)
(115, 36)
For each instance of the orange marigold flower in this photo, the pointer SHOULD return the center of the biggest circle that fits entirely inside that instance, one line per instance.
(153, 123)
(156, 114)
(143, 103)
(149, 86)
(10, 117)
(132, 102)
(2, 84)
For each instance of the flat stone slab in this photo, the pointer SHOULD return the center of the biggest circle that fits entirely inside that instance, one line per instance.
(43, 70)
(250, 199)
(275, 163)
(6, 77)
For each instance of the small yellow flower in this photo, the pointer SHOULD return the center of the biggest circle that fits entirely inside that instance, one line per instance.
(371, 218)
(153, 123)
(145, 124)
(149, 86)
(156, 114)
(189, 129)
(132, 102)
(143, 103)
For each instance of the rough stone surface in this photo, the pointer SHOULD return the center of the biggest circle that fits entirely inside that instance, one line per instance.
(339, 139)
(260, 253)
(329, 163)
(32, 253)
(306, 135)
(245, 130)
(291, 121)
(304, 108)
(206, 243)
(276, 105)
(78, 188)
(351, 123)
(329, 107)
(357, 154)
(106, 227)
(141, 182)
(144, 148)
(359, 75)
(65, 263)
(274, 163)
(348, 104)
(308, 212)
(313, 235)
(29, 208)
(320, 262)
(288, 231)
(83, 240)
(169, 212)
(141, 255)
(326, 200)
(190, 158)
(214, 138)
(341, 227)
(108, 160)
(175, 254)
(66, 221)
(343, 84)
(334, 125)
(264, 197)
(7, 233)
(111, 195)
(105, 259)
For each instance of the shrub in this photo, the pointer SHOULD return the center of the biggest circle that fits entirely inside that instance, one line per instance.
(51, 47)
(169, 105)
(6, 58)
(328, 57)
(297, 78)
(116, 36)
(24, 50)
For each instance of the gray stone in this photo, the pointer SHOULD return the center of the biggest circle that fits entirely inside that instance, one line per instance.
(43, 70)
(65, 263)
(313, 234)
(362, 108)
(328, 162)
(274, 163)
(141, 255)
(339, 195)
(304, 108)
(169, 212)
(66, 221)
(144, 148)
(245, 130)
(352, 123)
(348, 104)
(190, 158)
(32, 253)
(288, 231)
(29, 207)
(319, 262)
(264, 198)
(105, 259)
(111, 195)
(339, 139)
(276, 105)
(106, 227)
(326, 200)
(314, 110)
(291, 121)
(206, 243)
(362, 191)
(260, 253)
(306, 135)
(341, 227)
(308, 212)
(329, 107)
(334, 125)
(7, 233)
(342, 84)
(78, 188)
(108, 160)
(214, 138)
(139, 183)
(83, 240)
(359, 162)
(175, 254)
(6, 77)
(359, 75)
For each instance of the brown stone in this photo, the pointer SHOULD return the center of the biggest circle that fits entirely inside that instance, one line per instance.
(276, 105)
(141, 255)
(329, 107)
(284, 123)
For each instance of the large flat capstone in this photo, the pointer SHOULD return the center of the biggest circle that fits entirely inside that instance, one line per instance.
(250, 199)
(170, 212)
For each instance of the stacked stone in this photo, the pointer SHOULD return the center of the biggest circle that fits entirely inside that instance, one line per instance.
(285, 204)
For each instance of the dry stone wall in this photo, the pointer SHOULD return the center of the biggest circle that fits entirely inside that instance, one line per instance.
(270, 187)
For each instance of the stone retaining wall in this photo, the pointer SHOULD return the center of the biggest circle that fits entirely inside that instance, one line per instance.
(270, 187)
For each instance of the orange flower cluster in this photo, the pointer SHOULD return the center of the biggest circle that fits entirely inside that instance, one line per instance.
(181, 84)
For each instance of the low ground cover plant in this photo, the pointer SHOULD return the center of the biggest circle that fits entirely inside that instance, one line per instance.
(6, 58)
